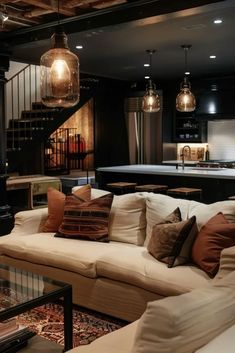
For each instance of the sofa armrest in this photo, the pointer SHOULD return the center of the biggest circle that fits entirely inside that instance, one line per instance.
(29, 222)
(227, 262)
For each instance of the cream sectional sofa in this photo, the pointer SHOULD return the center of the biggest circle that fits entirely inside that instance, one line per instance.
(120, 277)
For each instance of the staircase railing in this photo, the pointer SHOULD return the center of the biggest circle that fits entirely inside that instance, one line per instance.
(21, 91)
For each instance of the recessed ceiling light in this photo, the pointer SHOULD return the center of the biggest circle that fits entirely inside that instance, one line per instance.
(217, 21)
(212, 56)
(79, 47)
(214, 87)
(146, 65)
(187, 73)
(147, 77)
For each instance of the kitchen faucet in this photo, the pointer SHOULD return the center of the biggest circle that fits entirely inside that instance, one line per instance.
(183, 154)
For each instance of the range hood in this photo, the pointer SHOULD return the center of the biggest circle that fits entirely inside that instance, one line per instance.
(216, 104)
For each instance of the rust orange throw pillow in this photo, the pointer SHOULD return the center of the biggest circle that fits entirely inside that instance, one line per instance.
(216, 235)
(87, 220)
(56, 202)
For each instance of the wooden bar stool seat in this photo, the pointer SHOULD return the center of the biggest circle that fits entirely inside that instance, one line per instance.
(157, 189)
(121, 187)
(185, 193)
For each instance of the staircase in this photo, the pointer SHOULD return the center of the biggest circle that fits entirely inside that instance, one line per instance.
(30, 123)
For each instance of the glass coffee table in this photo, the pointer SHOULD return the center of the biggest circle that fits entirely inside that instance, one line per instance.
(22, 290)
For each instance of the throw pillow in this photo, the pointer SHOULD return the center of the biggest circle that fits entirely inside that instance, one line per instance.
(56, 202)
(172, 242)
(127, 219)
(158, 206)
(87, 220)
(216, 235)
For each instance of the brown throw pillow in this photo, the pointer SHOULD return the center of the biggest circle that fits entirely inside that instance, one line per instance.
(88, 220)
(216, 235)
(56, 202)
(173, 217)
(172, 242)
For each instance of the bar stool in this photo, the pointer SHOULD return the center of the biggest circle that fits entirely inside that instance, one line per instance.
(121, 187)
(185, 193)
(157, 189)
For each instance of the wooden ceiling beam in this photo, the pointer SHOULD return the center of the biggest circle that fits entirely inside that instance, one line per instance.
(46, 6)
(130, 11)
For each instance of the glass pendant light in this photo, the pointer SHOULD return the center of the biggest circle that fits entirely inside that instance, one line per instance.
(151, 100)
(185, 100)
(59, 70)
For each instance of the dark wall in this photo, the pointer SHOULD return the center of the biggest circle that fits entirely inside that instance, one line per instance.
(111, 141)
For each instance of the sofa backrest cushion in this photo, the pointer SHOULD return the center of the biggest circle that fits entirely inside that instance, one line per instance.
(56, 202)
(127, 222)
(158, 207)
(227, 263)
(204, 212)
(213, 237)
(86, 220)
(184, 323)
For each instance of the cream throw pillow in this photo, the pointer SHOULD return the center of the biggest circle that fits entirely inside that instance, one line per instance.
(184, 323)
(127, 222)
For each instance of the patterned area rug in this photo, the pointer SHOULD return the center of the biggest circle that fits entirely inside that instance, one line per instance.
(47, 321)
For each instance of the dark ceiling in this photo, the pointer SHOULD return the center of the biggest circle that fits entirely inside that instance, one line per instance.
(115, 37)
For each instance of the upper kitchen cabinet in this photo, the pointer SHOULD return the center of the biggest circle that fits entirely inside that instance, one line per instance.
(187, 128)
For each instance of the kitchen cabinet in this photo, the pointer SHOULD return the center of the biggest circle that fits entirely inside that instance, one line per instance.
(188, 129)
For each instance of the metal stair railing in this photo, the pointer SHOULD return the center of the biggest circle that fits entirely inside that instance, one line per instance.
(21, 90)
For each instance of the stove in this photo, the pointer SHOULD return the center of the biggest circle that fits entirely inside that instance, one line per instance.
(217, 163)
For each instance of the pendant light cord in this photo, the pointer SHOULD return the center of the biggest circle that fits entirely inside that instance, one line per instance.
(150, 64)
(58, 12)
(185, 60)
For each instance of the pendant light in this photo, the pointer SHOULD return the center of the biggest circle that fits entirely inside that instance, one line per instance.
(59, 70)
(185, 100)
(151, 100)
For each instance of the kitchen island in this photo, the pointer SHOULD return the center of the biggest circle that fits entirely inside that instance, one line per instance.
(216, 183)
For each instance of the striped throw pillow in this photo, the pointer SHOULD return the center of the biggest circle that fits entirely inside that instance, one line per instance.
(87, 220)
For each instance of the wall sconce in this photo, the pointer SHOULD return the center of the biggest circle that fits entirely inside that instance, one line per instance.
(185, 100)
(59, 73)
(151, 100)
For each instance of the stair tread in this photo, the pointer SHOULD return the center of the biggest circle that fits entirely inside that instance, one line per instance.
(24, 129)
(44, 110)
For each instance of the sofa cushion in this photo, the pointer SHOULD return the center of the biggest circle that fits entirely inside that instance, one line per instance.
(172, 242)
(223, 343)
(185, 323)
(86, 220)
(68, 254)
(158, 207)
(119, 341)
(137, 267)
(227, 262)
(204, 212)
(213, 237)
(56, 202)
(127, 219)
